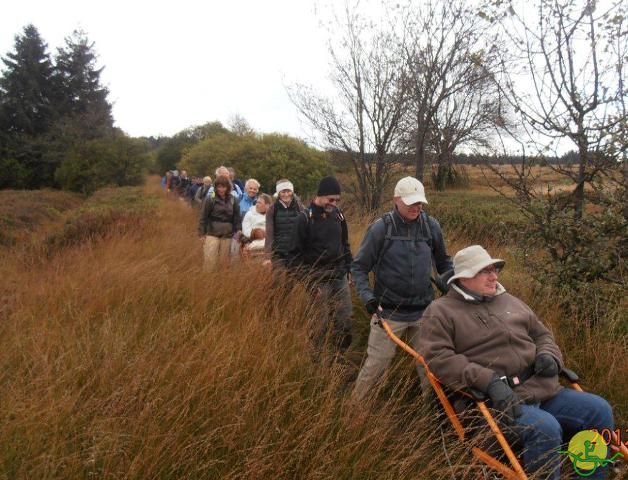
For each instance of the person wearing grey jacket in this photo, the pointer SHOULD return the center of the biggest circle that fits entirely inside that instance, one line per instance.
(202, 192)
(479, 336)
(401, 249)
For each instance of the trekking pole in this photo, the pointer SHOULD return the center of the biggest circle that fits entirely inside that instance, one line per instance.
(517, 472)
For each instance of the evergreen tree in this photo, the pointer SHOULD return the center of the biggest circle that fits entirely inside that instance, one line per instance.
(81, 97)
(27, 111)
(84, 112)
(27, 86)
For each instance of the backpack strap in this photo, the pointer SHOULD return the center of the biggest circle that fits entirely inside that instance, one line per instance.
(389, 221)
(210, 198)
(426, 230)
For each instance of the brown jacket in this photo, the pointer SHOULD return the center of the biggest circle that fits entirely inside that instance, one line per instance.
(219, 217)
(464, 342)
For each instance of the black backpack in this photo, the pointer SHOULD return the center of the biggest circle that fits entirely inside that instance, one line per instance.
(389, 221)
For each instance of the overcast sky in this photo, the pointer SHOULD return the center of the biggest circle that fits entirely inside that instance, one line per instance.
(171, 65)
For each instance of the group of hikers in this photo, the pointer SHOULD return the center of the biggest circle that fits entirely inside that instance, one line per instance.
(474, 336)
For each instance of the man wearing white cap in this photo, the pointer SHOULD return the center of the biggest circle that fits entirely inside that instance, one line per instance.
(478, 336)
(400, 248)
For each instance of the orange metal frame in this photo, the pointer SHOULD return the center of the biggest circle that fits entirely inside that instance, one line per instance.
(515, 472)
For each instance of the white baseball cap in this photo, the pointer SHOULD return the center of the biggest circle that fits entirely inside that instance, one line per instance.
(410, 190)
(469, 261)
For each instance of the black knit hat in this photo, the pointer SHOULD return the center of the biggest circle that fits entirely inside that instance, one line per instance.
(328, 186)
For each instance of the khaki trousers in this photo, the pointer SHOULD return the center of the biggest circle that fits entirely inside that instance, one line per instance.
(380, 352)
(216, 250)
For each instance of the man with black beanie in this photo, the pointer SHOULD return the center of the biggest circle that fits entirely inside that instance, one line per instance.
(320, 255)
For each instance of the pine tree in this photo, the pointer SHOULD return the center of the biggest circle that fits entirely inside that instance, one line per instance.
(27, 111)
(83, 100)
(84, 112)
(27, 86)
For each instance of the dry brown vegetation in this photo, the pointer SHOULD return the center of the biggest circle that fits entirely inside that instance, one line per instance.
(121, 358)
(23, 212)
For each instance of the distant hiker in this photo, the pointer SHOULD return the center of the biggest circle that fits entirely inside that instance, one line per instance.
(254, 225)
(400, 248)
(281, 219)
(479, 336)
(320, 255)
(238, 186)
(183, 183)
(202, 192)
(192, 188)
(219, 221)
(249, 197)
(171, 186)
(224, 171)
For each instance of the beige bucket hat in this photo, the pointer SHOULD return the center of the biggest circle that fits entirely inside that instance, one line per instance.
(470, 260)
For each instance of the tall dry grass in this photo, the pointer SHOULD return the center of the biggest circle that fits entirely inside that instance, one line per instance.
(121, 358)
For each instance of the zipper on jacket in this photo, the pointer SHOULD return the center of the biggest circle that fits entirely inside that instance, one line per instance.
(479, 317)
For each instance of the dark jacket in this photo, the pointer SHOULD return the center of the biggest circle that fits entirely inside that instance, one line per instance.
(321, 245)
(280, 226)
(182, 185)
(465, 341)
(219, 217)
(402, 263)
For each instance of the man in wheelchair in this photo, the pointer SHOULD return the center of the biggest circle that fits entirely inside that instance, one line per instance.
(480, 337)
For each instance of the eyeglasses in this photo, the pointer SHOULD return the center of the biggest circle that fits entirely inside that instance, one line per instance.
(333, 200)
(489, 270)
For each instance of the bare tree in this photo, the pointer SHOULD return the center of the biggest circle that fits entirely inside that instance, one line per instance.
(447, 49)
(565, 79)
(467, 117)
(240, 126)
(570, 55)
(362, 120)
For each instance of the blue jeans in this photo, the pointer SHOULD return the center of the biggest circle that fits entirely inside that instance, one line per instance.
(543, 429)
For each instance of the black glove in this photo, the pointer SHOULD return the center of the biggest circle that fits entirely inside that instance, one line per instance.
(545, 365)
(372, 306)
(504, 399)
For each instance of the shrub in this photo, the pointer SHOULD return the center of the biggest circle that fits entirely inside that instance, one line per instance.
(108, 211)
(266, 158)
(116, 160)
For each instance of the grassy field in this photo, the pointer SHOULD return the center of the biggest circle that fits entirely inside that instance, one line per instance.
(122, 358)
